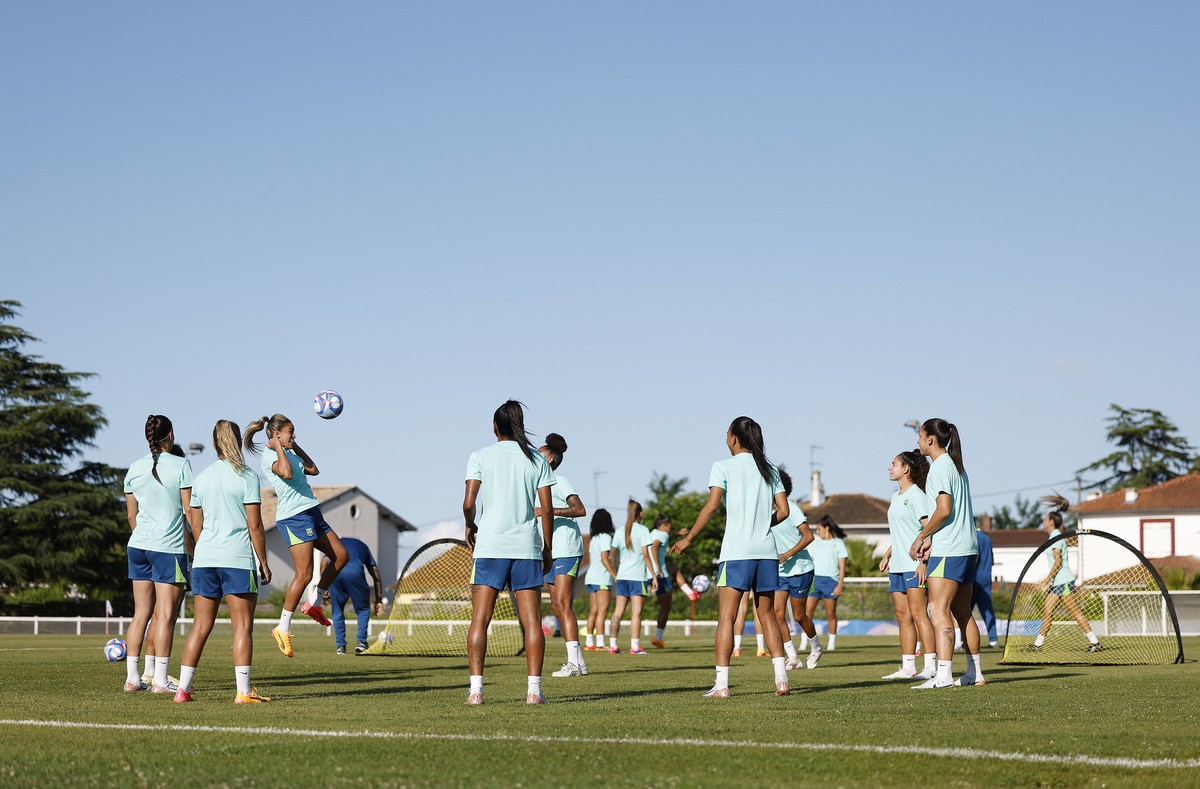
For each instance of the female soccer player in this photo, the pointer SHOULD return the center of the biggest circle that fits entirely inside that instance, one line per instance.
(829, 568)
(227, 522)
(299, 520)
(567, 552)
(510, 482)
(906, 515)
(633, 573)
(1060, 581)
(158, 492)
(599, 579)
(946, 543)
(792, 538)
(656, 554)
(749, 484)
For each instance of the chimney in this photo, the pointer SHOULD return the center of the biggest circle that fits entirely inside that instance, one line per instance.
(818, 490)
(1131, 495)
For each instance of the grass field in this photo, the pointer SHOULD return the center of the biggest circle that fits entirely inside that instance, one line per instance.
(342, 721)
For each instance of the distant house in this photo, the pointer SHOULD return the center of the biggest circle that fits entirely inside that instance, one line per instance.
(351, 513)
(862, 517)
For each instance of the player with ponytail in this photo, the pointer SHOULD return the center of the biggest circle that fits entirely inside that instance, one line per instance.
(755, 501)
(510, 483)
(158, 492)
(948, 549)
(1060, 581)
(298, 519)
(567, 553)
(792, 538)
(829, 557)
(635, 577)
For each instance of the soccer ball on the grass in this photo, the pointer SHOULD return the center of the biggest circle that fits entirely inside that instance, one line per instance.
(328, 404)
(386, 636)
(114, 650)
(701, 583)
(548, 625)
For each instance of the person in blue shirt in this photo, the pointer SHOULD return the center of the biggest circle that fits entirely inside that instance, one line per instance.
(350, 586)
(981, 595)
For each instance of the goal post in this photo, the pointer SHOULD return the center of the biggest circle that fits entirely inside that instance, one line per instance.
(1116, 591)
(431, 610)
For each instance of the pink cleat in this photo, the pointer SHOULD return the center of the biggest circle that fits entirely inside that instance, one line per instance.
(316, 613)
(182, 696)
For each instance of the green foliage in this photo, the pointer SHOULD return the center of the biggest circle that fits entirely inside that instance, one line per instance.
(1177, 578)
(682, 508)
(62, 522)
(1023, 514)
(862, 561)
(1150, 450)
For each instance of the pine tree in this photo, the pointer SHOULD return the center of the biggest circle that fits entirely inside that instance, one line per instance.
(62, 520)
(1151, 451)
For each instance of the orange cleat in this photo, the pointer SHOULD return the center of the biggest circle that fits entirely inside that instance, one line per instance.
(284, 641)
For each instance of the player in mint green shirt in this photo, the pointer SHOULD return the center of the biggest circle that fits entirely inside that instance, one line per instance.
(230, 560)
(792, 538)
(755, 501)
(656, 553)
(634, 579)
(601, 576)
(567, 554)
(1060, 580)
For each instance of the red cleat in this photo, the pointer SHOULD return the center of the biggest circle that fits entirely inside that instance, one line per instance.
(316, 613)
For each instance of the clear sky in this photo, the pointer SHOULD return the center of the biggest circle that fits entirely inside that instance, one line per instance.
(641, 219)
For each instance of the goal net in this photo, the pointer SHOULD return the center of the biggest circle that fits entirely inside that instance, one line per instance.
(1103, 584)
(431, 611)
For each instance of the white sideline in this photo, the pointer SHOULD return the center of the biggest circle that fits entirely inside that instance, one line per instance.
(953, 753)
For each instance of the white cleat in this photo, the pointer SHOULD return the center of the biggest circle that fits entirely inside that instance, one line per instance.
(929, 672)
(717, 693)
(900, 673)
(932, 684)
(814, 657)
(794, 663)
(568, 670)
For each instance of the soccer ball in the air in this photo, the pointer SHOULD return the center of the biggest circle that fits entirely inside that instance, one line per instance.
(701, 583)
(549, 624)
(114, 650)
(328, 404)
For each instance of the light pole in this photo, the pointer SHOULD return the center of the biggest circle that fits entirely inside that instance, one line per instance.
(596, 486)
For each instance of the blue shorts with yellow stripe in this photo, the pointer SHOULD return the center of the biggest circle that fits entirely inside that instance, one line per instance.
(303, 527)
(516, 574)
(567, 565)
(797, 586)
(593, 588)
(761, 575)
(216, 582)
(902, 582)
(1062, 590)
(953, 568)
(631, 588)
(159, 567)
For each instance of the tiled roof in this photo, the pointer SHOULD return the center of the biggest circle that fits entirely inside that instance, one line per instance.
(1164, 564)
(849, 508)
(1181, 493)
(1016, 538)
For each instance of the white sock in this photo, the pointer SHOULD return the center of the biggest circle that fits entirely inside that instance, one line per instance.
(285, 621)
(573, 653)
(976, 666)
(943, 672)
(909, 663)
(317, 596)
(1041, 639)
(635, 643)
(612, 642)
(187, 675)
(930, 661)
(803, 641)
(477, 683)
(149, 665)
(737, 642)
(658, 633)
(918, 648)
(131, 669)
(789, 648)
(590, 640)
(604, 627)
(241, 675)
(779, 664)
(833, 640)
(534, 686)
(161, 664)
(722, 677)
(815, 643)
(762, 644)
(1091, 637)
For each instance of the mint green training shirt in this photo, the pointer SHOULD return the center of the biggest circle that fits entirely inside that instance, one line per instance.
(160, 503)
(508, 496)
(221, 494)
(749, 506)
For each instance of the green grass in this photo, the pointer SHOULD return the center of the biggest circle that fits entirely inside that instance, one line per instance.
(1141, 713)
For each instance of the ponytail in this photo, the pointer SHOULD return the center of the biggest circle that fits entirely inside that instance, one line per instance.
(629, 521)
(749, 435)
(227, 438)
(273, 424)
(510, 425)
(158, 429)
(918, 466)
(1059, 504)
(834, 529)
(946, 434)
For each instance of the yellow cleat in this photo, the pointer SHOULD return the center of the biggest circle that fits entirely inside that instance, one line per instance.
(762, 653)
(250, 698)
(284, 640)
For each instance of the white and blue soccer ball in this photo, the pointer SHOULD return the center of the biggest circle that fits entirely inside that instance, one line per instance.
(701, 583)
(328, 404)
(114, 650)
(385, 636)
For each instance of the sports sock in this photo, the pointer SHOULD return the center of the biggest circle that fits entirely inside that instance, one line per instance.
(804, 641)
(815, 643)
(573, 654)
(534, 686)
(976, 666)
(591, 640)
(737, 642)
(160, 671)
(833, 640)
(1041, 639)
(790, 648)
(477, 683)
(187, 675)
(317, 596)
(612, 642)
(780, 666)
(241, 675)
(762, 644)
(131, 669)
(931, 661)
(635, 643)
(149, 665)
(722, 677)
(658, 633)
(285, 621)
(944, 677)
(1091, 637)
(909, 663)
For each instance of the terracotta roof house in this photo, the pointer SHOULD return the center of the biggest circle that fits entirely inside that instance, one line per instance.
(862, 517)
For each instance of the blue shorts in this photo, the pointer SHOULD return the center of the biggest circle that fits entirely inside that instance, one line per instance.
(761, 575)
(823, 588)
(303, 527)
(161, 568)
(902, 582)
(631, 588)
(593, 588)
(516, 574)
(664, 585)
(1062, 590)
(954, 568)
(216, 582)
(568, 565)
(797, 586)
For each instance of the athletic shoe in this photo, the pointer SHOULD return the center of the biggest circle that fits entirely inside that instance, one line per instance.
(284, 641)
(638, 651)
(932, 684)
(134, 687)
(1095, 647)
(794, 663)
(900, 673)
(147, 678)
(966, 680)
(814, 657)
(361, 647)
(535, 698)
(341, 650)
(993, 644)
(583, 669)
(170, 687)
(762, 653)
(593, 649)
(316, 613)
(717, 693)
(614, 650)
(658, 644)
(474, 699)
(250, 698)
(568, 670)
(783, 689)
(182, 696)
(735, 653)
(929, 672)
(1034, 647)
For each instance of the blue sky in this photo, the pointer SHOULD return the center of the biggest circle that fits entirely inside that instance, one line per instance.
(643, 220)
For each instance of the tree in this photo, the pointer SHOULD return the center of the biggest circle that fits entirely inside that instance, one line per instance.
(1024, 514)
(861, 561)
(1150, 450)
(62, 521)
(682, 508)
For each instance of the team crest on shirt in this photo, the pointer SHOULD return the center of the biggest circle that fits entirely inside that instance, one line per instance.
(906, 502)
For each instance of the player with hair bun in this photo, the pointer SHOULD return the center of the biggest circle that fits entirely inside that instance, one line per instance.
(567, 553)
(1060, 580)
(298, 519)
(600, 577)
(158, 493)
(792, 538)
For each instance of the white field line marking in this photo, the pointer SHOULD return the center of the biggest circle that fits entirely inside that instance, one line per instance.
(46, 649)
(953, 753)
